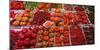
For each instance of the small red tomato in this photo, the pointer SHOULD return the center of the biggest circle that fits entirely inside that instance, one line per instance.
(65, 39)
(45, 43)
(66, 43)
(58, 34)
(50, 43)
(51, 34)
(46, 33)
(61, 31)
(51, 39)
(66, 35)
(58, 39)
(40, 32)
(39, 38)
(58, 44)
(45, 38)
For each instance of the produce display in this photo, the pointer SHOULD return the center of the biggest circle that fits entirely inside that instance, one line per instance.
(39, 25)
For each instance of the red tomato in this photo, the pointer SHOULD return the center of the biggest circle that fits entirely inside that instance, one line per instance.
(46, 38)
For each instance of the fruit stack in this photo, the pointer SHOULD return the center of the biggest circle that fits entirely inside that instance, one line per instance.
(16, 5)
(45, 38)
(39, 25)
(62, 37)
(23, 38)
(22, 19)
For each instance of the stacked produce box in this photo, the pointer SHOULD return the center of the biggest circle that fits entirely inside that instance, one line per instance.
(39, 25)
